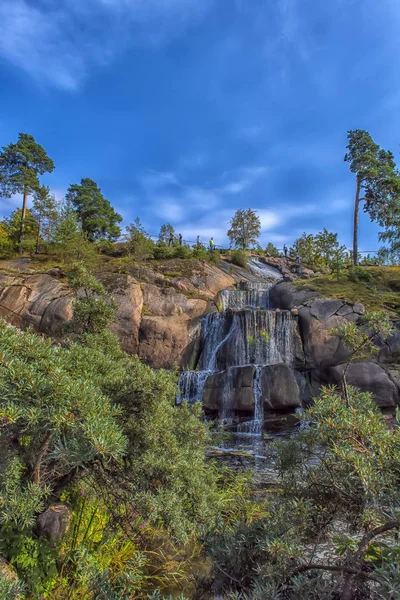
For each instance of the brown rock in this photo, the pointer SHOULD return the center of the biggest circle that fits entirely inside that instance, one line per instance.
(54, 522)
(128, 296)
(162, 340)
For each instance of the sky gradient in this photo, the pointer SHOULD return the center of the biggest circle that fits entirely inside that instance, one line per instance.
(185, 110)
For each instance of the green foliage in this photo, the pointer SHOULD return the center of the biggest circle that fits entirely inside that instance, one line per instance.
(44, 211)
(21, 164)
(378, 184)
(340, 471)
(97, 216)
(239, 258)
(357, 274)
(183, 251)
(32, 557)
(93, 311)
(69, 240)
(271, 250)
(138, 242)
(245, 229)
(13, 227)
(166, 232)
(6, 242)
(359, 338)
(163, 251)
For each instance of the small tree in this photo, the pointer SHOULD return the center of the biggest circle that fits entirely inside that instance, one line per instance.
(360, 338)
(307, 249)
(97, 216)
(69, 240)
(20, 166)
(339, 260)
(44, 212)
(138, 243)
(166, 231)
(13, 224)
(272, 250)
(377, 179)
(245, 229)
(326, 244)
(93, 311)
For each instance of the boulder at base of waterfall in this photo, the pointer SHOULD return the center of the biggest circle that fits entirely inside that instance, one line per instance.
(279, 388)
(54, 522)
(368, 376)
(232, 389)
(390, 351)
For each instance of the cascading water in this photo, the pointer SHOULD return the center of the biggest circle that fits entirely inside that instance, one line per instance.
(236, 344)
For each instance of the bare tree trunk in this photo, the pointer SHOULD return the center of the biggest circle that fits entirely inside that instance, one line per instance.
(355, 232)
(22, 229)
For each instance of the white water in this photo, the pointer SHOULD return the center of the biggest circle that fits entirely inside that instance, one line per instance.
(259, 268)
(246, 332)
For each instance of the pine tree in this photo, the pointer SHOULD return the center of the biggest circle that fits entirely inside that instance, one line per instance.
(20, 166)
(97, 216)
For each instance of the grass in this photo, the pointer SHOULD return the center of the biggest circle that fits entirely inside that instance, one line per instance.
(383, 292)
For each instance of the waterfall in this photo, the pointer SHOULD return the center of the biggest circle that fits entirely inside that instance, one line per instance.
(257, 337)
(235, 345)
(191, 386)
(252, 297)
(255, 426)
(260, 268)
(214, 331)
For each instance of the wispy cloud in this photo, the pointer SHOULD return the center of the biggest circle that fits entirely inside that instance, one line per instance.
(58, 41)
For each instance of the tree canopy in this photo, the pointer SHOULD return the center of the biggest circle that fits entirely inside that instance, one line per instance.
(245, 229)
(377, 179)
(20, 166)
(98, 218)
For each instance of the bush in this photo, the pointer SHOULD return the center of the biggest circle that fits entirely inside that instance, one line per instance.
(162, 251)
(239, 258)
(104, 246)
(183, 252)
(271, 250)
(358, 274)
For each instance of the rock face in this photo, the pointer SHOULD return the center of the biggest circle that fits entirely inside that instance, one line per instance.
(128, 297)
(54, 522)
(279, 388)
(39, 301)
(368, 376)
(157, 317)
(231, 388)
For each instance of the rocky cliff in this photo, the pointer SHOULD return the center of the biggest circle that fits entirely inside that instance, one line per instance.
(159, 315)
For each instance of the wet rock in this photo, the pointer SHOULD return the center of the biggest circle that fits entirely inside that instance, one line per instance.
(54, 522)
(279, 388)
(232, 387)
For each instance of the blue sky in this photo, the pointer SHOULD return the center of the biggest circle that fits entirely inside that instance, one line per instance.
(185, 110)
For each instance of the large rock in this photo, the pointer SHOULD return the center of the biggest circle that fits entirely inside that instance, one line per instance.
(39, 301)
(279, 388)
(231, 388)
(316, 322)
(54, 522)
(286, 296)
(368, 376)
(167, 302)
(128, 297)
(162, 340)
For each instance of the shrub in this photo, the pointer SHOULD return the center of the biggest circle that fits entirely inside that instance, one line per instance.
(359, 274)
(239, 258)
(271, 250)
(162, 251)
(183, 252)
